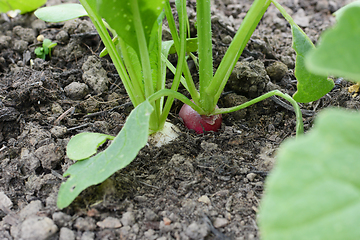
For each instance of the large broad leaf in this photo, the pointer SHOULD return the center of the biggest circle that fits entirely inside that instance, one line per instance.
(313, 193)
(118, 155)
(22, 5)
(61, 13)
(338, 52)
(121, 18)
(310, 86)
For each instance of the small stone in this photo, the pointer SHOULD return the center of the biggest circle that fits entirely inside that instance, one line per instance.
(322, 5)
(109, 222)
(197, 231)
(5, 201)
(58, 131)
(251, 176)
(208, 147)
(49, 155)
(61, 219)
(37, 228)
(62, 36)
(204, 199)
(88, 236)
(166, 221)
(220, 222)
(95, 75)
(56, 108)
(31, 209)
(66, 234)
(226, 39)
(150, 215)
(76, 90)
(85, 224)
(128, 219)
(150, 234)
(301, 19)
(277, 71)
(20, 45)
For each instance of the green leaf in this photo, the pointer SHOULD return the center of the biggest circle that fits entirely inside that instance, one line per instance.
(84, 145)
(23, 5)
(61, 13)
(338, 52)
(341, 11)
(314, 190)
(118, 155)
(310, 86)
(120, 17)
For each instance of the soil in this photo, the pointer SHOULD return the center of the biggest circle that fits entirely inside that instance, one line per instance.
(199, 186)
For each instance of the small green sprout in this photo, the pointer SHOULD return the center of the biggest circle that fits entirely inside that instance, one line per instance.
(47, 45)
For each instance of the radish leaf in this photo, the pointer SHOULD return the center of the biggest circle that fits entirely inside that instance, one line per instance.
(84, 145)
(338, 52)
(61, 13)
(23, 5)
(314, 190)
(118, 155)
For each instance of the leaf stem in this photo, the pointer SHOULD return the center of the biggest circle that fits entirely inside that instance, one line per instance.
(299, 122)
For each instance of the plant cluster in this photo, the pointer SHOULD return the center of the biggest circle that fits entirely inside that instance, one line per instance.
(47, 46)
(141, 58)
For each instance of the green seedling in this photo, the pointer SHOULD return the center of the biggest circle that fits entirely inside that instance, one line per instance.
(47, 46)
(140, 57)
(313, 192)
(23, 5)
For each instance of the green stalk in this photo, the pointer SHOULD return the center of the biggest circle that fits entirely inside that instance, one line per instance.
(188, 79)
(236, 47)
(181, 61)
(145, 63)
(133, 93)
(203, 16)
(299, 122)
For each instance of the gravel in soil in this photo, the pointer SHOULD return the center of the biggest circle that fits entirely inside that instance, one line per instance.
(197, 187)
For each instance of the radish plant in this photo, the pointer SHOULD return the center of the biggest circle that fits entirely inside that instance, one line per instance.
(140, 57)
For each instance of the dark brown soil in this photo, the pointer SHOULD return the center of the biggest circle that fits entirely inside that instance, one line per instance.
(197, 187)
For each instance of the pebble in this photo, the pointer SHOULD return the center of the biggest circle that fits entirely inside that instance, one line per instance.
(150, 234)
(204, 199)
(150, 215)
(251, 176)
(5, 201)
(220, 222)
(50, 155)
(88, 236)
(61, 219)
(197, 231)
(76, 90)
(301, 19)
(66, 234)
(37, 228)
(85, 224)
(95, 75)
(128, 219)
(58, 131)
(208, 147)
(109, 222)
(31, 209)
(277, 71)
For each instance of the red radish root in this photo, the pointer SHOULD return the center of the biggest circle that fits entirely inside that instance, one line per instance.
(199, 123)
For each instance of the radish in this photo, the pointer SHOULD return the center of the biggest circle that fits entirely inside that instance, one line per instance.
(199, 123)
